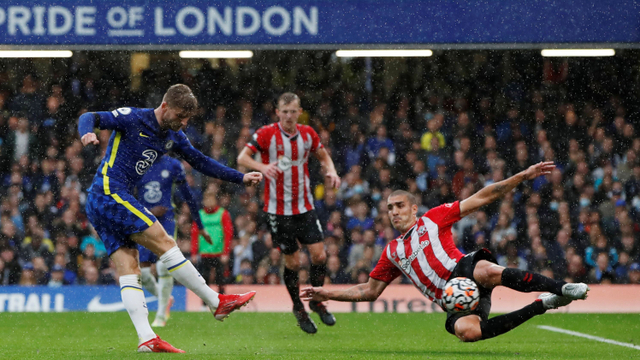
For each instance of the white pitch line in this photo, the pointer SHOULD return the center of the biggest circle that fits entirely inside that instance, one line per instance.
(587, 336)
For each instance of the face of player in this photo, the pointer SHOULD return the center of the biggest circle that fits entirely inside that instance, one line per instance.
(401, 213)
(288, 115)
(174, 119)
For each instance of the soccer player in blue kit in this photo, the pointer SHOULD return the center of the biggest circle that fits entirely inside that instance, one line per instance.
(155, 191)
(139, 138)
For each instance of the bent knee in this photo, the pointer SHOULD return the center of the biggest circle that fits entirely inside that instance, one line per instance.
(167, 241)
(487, 274)
(468, 332)
(470, 335)
(495, 273)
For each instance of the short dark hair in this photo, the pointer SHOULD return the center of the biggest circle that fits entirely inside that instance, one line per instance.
(410, 197)
(180, 96)
(287, 98)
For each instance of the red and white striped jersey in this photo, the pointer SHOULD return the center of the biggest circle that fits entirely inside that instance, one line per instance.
(426, 253)
(289, 193)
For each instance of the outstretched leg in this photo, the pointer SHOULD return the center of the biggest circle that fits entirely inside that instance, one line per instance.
(490, 275)
(473, 328)
(155, 238)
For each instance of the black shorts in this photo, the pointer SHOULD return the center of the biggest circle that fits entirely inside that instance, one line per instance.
(285, 230)
(465, 269)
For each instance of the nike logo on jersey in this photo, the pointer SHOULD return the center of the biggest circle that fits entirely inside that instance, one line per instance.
(143, 135)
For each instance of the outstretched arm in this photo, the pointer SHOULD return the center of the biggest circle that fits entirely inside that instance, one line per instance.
(212, 168)
(368, 291)
(495, 191)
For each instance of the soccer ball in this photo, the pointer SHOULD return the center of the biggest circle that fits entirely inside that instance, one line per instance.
(460, 295)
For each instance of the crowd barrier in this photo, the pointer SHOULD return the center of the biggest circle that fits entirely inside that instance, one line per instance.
(73, 298)
(274, 298)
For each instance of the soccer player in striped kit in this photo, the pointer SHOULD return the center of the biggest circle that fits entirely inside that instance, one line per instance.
(427, 255)
(284, 149)
(139, 138)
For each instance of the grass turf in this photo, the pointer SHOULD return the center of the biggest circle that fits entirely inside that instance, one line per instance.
(276, 336)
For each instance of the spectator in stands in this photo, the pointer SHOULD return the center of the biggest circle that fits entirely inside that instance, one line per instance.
(463, 177)
(361, 219)
(602, 270)
(512, 259)
(56, 276)
(36, 245)
(378, 142)
(27, 278)
(634, 273)
(335, 273)
(434, 123)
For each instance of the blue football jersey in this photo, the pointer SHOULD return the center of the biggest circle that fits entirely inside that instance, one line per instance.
(157, 185)
(136, 143)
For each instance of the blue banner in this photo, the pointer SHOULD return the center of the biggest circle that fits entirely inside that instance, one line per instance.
(216, 23)
(74, 298)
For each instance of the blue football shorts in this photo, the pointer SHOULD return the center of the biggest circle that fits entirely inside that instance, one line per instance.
(115, 217)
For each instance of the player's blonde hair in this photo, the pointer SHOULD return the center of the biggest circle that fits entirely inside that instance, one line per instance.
(287, 98)
(180, 96)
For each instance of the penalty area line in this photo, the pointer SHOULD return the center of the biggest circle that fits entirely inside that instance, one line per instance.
(587, 336)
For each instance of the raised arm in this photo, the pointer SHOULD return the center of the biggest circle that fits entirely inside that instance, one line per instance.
(368, 291)
(329, 168)
(495, 191)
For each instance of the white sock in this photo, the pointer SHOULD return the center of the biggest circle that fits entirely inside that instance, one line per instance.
(183, 270)
(165, 287)
(134, 302)
(148, 281)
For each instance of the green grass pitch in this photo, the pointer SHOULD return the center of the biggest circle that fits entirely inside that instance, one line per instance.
(276, 336)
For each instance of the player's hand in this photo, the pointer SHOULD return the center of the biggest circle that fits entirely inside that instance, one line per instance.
(224, 259)
(158, 211)
(251, 179)
(194, 259)
(334, 180)
(314, 293)
(539, 169)
(206, 236)
(272, 170)
(89, 138)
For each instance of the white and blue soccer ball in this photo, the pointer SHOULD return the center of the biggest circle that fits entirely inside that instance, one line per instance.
(460, 295)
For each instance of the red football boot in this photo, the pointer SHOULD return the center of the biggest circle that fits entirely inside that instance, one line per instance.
(229, 303)
(158, 345)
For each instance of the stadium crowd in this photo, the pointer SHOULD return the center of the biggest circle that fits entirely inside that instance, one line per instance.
(441, 128)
